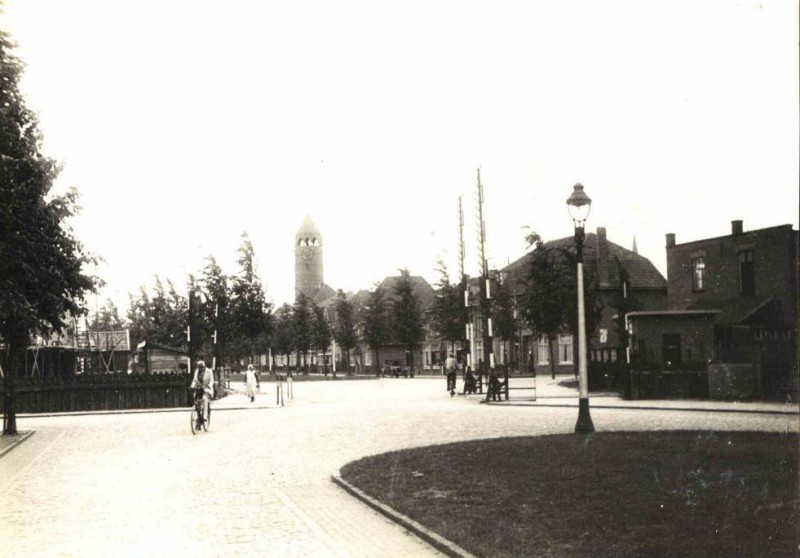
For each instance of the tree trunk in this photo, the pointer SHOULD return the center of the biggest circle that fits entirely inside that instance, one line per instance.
(552, 358)
(10, 391)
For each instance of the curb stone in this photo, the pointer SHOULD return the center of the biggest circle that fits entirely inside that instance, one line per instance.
(437, 541)
(18, 441)
(644, 408)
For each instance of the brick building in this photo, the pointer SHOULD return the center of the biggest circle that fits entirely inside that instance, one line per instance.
(730, 327)
(645, 284)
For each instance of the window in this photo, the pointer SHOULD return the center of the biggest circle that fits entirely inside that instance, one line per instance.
(542, 351)
(698, 274)
(747, 276)
(565, 349)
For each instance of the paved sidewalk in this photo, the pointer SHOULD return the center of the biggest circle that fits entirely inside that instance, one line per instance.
(258, 483)
(551, 392)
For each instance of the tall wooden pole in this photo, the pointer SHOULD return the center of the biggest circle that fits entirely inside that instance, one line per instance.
(485, 289)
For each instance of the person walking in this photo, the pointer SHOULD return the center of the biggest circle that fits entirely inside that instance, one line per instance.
(251, 383)
(450, 371)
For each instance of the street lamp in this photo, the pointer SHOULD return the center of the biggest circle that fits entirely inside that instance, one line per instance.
(579, 205)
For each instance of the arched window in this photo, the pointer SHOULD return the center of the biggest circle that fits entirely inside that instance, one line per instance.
(698, 274)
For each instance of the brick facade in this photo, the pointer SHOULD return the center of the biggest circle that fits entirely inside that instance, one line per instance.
(774, 269)
(731, 300)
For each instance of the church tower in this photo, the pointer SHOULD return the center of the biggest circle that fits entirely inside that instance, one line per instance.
(307, 259)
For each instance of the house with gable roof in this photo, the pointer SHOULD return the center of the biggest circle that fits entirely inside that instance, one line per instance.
(610, 262)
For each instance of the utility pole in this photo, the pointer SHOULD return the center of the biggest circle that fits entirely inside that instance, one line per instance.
(462, 275)
(485, 289)
(189, 324)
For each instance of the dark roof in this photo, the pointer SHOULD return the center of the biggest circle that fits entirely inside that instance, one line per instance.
(322, 294)
(358, 299)
(420, 287)
(641, 272)
(152, 345)
(733, 312)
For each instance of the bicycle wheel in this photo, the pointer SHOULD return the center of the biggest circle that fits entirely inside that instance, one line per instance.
(194, 419)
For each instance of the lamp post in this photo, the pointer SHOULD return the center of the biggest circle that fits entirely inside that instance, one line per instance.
(579, 205)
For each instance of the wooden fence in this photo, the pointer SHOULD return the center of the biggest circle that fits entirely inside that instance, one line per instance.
(100, 392)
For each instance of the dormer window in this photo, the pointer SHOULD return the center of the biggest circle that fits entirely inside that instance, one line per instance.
(698, 274)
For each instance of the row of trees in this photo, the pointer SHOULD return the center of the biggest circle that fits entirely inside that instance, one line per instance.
(231, 320)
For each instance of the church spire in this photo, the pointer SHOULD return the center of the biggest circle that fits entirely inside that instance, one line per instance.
(635, 249)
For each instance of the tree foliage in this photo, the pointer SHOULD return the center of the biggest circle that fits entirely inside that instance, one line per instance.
(302, 323)
(546, 296)
(214, 314)
(158, 317)
(283, 340)
(448, 314)
(623, 302)
(406, 315)
(549, 303)
(251, 314)
(41, 263)
(106, 318)
(503, 305)
(321, 335)
(375, 322)
(344, 326)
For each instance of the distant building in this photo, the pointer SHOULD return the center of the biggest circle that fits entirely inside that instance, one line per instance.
(154, 358)
(604, 258)
(308, 264)
(731, 318)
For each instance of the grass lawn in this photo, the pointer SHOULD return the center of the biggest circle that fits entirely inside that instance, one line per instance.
(664, 493)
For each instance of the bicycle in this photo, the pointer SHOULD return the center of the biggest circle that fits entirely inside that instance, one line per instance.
(197, 420)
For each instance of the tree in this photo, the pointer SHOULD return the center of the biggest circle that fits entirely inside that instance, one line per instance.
(623, 302)
(107, 318)
(550, 299)
(407, 316)
(42, 280)
(374, 318)
(448, 314)
(251, 313)
(282, 340)
(169, 313)
(160, 318)
(546, 296)
(344, 326)
(216, 323)
(320, 331)
(504, 321)
(139, 319)
(301, 327)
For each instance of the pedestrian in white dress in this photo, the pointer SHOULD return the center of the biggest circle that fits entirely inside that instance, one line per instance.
(251, 383)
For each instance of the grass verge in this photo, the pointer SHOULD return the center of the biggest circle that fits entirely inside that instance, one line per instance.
(664, 493)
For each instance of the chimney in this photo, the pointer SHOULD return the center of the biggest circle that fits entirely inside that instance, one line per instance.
(602, 257)
(670, 240)
(736, 227)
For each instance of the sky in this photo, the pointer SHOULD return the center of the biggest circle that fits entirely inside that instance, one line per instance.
(184, 123)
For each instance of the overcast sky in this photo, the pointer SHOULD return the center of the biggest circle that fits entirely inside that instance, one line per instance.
(184, 123)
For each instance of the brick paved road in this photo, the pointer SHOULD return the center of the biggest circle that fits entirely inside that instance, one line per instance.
(258, 483)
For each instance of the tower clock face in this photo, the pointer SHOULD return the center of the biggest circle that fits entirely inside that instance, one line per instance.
(307, 254)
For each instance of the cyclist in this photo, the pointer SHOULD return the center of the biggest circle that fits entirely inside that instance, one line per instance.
(203, 384)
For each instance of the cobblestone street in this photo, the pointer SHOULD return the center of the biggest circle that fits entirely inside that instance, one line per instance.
(258, 483)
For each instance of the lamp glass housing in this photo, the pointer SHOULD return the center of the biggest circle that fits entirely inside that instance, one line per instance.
(579, 205)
